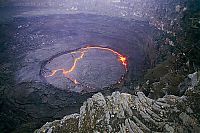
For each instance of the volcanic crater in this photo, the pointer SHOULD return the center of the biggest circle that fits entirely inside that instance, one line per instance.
(59, 61)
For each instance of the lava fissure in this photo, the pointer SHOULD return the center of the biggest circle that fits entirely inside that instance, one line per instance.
(82, 51)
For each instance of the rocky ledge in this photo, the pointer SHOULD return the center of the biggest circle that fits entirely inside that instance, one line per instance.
(122, 112)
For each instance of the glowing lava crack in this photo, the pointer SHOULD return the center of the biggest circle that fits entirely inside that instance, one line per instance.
(82, 52)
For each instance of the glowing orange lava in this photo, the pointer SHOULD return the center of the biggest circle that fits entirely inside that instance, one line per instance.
(82, 52)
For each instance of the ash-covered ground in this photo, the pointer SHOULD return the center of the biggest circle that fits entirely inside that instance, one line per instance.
(30, 43)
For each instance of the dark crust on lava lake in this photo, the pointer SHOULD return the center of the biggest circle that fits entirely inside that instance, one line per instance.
(42, 70)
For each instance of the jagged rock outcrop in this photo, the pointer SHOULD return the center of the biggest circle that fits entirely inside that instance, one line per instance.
(122, 112)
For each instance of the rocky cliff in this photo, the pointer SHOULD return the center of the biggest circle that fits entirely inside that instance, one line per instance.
(136, 113)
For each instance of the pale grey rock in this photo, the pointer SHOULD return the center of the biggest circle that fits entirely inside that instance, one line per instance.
(189, 110)
(122, 112)
(169, 129)
(194, 79)
(178, 8)
(185, 118)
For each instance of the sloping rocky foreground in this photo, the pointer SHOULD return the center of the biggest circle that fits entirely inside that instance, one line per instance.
(122, 112)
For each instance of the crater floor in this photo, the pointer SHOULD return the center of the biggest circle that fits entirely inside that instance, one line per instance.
(90, 68)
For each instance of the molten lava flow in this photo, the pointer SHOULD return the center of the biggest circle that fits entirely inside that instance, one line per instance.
(121, 58)
(66, 72)
(82, 51)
